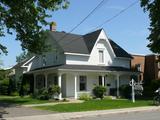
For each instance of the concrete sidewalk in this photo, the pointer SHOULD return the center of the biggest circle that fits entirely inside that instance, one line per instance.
(54, 103)
(66, 116)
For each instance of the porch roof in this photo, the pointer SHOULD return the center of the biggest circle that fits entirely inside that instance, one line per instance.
(86, 68)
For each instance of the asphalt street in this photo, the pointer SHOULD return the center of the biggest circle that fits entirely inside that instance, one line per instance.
(145, 115)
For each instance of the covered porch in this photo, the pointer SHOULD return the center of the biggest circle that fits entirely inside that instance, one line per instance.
(74, 82)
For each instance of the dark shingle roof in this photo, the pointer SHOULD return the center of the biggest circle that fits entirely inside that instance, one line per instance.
(90, 39)
(86, 67)
(71, 42)
(83, 43)
(119, 52)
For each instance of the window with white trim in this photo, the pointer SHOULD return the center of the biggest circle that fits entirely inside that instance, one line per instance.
(138, 67)
(101, 56)
(44, 60)
(82, 83)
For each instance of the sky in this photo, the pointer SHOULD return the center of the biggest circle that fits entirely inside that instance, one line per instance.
(129, 30)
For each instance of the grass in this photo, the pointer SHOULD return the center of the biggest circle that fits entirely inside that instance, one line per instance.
(21, 100)
(95, 105)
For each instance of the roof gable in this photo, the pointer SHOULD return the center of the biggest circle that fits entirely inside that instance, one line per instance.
(84, 44)
(91, 38)
(119, 52)
(70, 42)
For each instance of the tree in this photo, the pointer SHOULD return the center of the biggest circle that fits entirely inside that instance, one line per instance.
(27, 18)
(153, 7)
(24, 55)
(1, 63)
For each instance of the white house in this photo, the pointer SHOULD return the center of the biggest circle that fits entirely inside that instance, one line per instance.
(79, 62)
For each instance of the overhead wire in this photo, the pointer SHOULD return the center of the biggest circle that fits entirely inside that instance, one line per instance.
(108, 20)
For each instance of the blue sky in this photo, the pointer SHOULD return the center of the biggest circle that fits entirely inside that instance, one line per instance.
(129, 30)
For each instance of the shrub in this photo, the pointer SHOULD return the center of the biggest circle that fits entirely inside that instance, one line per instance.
(53, 91)
(4, 85)
(43, 94)
(85, 96)
(108, 97)
(125, 91)
(14, 93)
(99, 91)
(47, 93)
(25, 88)
(35, 94)
(149, 90)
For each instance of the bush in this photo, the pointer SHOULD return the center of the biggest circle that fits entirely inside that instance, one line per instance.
(47, 93)
(99, 91)
(14, 93)
(85, 96)
(25, 89)
(53, 91)
(4, 85)
(149, 90)
(43, 94)
(125, 91)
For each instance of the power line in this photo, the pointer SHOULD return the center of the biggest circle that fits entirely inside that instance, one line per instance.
(101, 3)
(116, 15)
(76, 26)
(108, 20)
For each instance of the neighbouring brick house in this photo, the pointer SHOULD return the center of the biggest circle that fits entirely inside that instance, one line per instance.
(152, 68)
(148, 65)
(137, 64)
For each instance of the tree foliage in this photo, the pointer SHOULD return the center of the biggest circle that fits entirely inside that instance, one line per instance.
(24, 55)
(26, 18)
(153, 7)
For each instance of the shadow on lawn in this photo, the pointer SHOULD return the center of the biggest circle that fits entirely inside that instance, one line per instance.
(3, 106)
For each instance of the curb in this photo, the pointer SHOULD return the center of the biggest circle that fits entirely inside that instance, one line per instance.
(67, 116)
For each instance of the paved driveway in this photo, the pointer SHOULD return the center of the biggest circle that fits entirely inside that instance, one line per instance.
(10, 110)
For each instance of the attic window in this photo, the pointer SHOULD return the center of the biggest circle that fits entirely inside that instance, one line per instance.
(44, 60)
(101, 56)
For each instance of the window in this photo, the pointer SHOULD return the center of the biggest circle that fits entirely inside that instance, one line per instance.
(83, 83)
(138, 67)
(101, 56)
(100, 80)
(44, 60)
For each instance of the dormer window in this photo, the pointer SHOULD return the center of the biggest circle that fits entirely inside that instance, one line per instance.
(101, 56)
(44, 60)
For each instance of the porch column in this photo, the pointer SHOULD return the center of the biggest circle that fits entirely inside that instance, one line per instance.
(118, 85)
(46, 80)
(59, 84)
(103, 81)
(75, 86)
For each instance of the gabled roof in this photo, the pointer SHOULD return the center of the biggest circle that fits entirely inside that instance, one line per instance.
(90, 39)
(70, 42)
(83, 44)
(119, 52)
(20, 64)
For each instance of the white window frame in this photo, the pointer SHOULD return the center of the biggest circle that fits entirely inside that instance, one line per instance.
(44, 60)
(99, 57)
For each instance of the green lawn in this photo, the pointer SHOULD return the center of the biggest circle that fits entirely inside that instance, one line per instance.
(95, 105)
(21, 100)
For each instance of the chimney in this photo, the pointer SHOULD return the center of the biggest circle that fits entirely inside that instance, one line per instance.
(53, 26)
